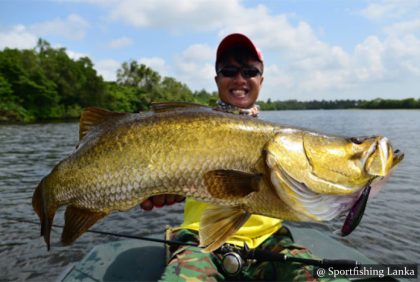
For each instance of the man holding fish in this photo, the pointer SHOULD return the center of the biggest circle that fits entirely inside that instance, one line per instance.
(241, 176)
(239, 78)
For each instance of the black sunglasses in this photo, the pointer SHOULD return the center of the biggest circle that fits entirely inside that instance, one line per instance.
(231, 71)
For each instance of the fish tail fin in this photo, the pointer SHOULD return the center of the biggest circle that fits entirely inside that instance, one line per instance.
(78, 221)
(44, 211)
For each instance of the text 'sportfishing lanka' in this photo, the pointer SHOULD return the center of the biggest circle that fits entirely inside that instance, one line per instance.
(263, 168)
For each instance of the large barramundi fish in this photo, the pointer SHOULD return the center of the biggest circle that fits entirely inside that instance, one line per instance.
(239, 164)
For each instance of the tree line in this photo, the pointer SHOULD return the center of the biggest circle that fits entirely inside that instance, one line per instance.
(44, 83)
(378, 103)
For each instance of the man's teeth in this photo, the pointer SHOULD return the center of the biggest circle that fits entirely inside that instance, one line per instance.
(238, 92)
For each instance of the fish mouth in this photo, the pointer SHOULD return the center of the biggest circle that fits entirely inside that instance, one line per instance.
(357, 211)
(381, 158)
(398, 156)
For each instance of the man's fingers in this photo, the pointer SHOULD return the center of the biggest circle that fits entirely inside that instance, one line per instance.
(170, 199)
(147, 205)
(159, 200)
(179, 198)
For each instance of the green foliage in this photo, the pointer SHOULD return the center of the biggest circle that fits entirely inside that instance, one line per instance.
(205, 98)
(6, 92)
(72, 111)
(173, 90)
(409, 103)
(122, 98)
(133, 74)
(10, 110)
(138, 86)
(45, 83)
(379, 103)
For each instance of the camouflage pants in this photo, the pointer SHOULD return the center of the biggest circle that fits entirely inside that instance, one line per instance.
(190, 264)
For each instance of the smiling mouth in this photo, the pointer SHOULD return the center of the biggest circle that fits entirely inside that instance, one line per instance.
(239, 93)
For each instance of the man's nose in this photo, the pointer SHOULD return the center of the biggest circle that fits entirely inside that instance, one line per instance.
(239, 77)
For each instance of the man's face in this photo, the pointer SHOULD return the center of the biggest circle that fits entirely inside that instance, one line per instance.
(238, 90)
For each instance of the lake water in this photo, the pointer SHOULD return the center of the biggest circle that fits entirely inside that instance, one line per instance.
(388, 233)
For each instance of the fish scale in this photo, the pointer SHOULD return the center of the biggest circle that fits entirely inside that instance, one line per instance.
(239, 164)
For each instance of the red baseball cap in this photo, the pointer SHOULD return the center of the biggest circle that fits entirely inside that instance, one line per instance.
(237, 39)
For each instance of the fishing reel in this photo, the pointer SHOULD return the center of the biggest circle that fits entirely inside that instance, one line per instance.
(234, 259)
(232, 263)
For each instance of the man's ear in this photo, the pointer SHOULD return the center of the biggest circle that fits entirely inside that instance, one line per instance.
(262, 79)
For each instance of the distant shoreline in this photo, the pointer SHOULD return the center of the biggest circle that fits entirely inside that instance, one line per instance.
(362, 109)
(76, 119)
(383, 104)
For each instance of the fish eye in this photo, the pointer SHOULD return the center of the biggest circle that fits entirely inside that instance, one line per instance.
(357, 140)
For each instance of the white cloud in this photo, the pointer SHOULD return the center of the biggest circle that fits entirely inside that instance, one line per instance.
(195, 67)
(276, 78)
(157, 64)
(107, 68)
(403, 27)
(18, 37)
(121, 42)
(25, 37)
(198, 52)
(176, 15)
(271, 31)
(368, 59)
(403, 55)
(76, 55)
(73, 27)
(391, 9)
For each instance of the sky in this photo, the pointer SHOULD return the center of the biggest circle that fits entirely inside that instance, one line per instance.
(312, 49)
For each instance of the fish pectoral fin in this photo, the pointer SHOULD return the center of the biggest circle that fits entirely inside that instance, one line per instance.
(158, 107)
(231, 184)
(93, 116)
(78, 221)
(217, 224)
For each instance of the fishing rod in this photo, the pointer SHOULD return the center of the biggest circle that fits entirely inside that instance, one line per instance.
(233, 258)
(170, 242)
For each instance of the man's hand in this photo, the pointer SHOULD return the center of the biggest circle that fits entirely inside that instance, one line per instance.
(160, 201)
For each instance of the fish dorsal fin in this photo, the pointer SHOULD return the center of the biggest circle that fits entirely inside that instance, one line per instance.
(93, 116)
(230, 184)
(78, 221)
(217, 224)
(158, 107)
